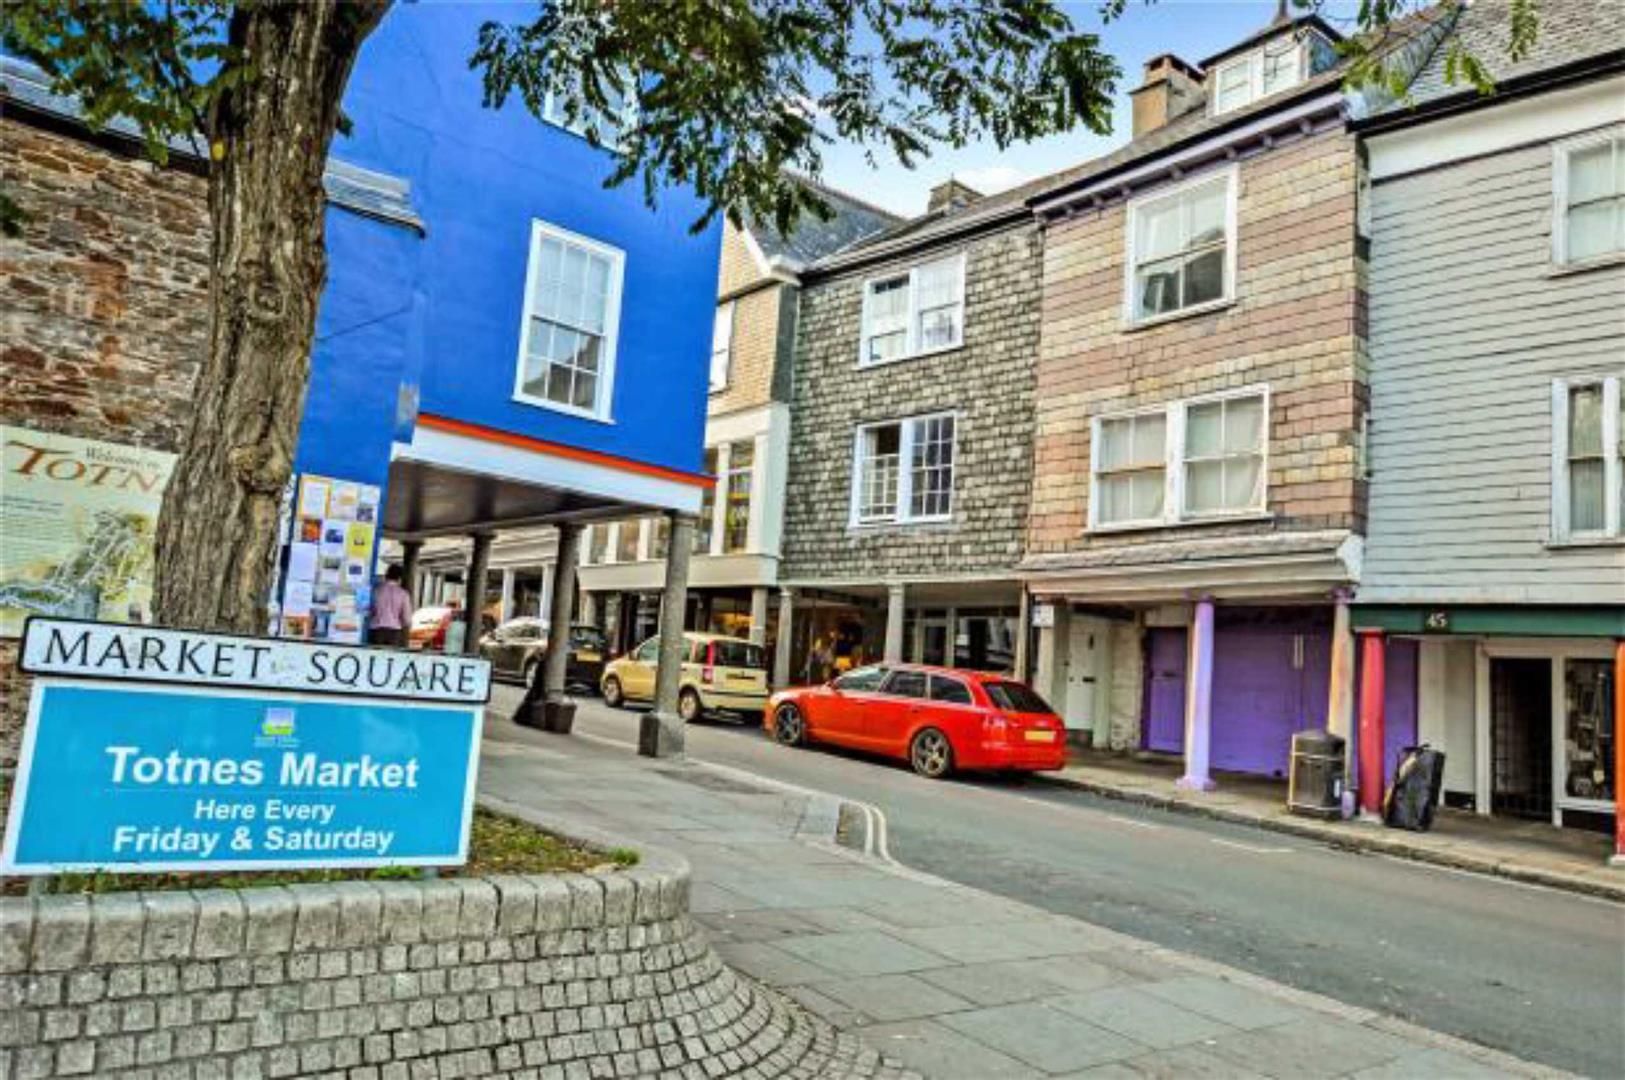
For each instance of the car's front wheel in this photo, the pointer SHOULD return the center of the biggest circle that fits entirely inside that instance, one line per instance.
(931, 754)
(788, 726)
(689, 706)
(613, 696)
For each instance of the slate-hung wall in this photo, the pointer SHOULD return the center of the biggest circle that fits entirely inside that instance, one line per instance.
(987, 382)
(1298, 324)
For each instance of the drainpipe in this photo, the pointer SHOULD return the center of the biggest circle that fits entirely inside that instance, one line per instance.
(1372, 688)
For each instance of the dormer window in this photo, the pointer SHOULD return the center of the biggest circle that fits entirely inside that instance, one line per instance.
(1278, 64)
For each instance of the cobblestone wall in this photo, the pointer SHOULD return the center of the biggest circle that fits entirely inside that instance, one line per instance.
(537, 977)
(988, 382)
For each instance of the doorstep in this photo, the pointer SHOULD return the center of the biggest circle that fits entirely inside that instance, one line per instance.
(1532, 852)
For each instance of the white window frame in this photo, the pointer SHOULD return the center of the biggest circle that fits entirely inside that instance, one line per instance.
(553, 116)
(722, 345)
(1561, 153)
(1301, 50)
(605, 390)
(1173, 464)
(905, 472)
(1231, 175)
(912, 349)
(1613, 513)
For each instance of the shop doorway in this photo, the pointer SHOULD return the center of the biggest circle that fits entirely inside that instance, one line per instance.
(1165, 649)
(934, 638)
(1521, 736)
(1086, 672)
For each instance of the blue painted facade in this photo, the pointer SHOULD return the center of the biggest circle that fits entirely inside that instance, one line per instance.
(441, 310)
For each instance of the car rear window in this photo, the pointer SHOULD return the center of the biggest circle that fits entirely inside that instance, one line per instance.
(740, 654)
(949, 690)
(1016, 698)
(588, 637)
(906, 684)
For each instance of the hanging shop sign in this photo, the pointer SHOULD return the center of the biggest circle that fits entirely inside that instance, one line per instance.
(151, 749)
(78, 517)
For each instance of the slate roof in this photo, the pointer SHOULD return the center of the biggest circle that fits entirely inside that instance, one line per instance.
(1013, 203)
(362, 191)
(813, 239)
(1570, 31)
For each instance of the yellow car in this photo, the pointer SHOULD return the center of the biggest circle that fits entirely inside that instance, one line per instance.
(720, 675)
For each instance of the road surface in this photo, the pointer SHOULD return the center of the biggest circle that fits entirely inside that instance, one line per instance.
(1535, 972)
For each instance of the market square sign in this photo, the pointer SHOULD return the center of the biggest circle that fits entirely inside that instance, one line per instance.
(151, 749)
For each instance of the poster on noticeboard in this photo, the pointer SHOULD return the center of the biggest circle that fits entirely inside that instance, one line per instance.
(330, 541)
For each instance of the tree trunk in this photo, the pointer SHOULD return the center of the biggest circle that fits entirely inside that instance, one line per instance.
(217, 536)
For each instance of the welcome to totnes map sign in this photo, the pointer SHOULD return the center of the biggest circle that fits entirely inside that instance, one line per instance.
(154, 749)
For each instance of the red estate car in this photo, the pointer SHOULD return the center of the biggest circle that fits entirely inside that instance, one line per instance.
(938, 719)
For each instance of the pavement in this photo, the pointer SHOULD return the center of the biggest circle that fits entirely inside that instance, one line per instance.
(1528, 851)
(950, 980)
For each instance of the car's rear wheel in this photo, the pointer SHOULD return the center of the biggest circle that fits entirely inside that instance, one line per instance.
(788, 726)
(613, 696)
(931, 754)
(689, 706)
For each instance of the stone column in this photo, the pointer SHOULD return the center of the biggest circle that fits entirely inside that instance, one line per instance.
(1373, 689)
(589, 606)
(545, 704)
(896, 609)
(758, 615)
(1618, 858)
(506, 612)
(479, 560)
(781, 648)
(411, 550)
(660, 732)
(1024, 618)
(1199, 701)
(1340, 699)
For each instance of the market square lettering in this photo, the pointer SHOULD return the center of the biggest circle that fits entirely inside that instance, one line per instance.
(125, 652)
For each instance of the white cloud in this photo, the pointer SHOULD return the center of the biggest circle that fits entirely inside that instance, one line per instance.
(991, 179)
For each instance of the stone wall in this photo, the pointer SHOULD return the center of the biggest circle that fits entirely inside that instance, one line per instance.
(545, 976)
(988, 381)
(1298, 323)
(103, 308)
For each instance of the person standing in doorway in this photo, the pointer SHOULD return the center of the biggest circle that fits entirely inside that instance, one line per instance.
(391, 610)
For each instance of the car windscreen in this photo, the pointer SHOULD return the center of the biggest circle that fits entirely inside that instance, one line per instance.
(1016, 698)
(739, 654)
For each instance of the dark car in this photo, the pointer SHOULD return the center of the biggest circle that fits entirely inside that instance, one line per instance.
(515, 650)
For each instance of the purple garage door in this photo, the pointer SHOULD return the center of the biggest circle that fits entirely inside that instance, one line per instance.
(1165, 690)
(1269, 681)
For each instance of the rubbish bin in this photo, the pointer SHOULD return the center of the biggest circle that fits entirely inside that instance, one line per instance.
(1316, 785)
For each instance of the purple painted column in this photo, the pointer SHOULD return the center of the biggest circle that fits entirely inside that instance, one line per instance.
(1199, 701)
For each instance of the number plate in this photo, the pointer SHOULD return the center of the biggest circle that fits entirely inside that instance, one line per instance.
(1038, 735)
(586, 655)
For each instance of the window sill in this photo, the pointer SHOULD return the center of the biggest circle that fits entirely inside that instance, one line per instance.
(899, 523)
(1583, 542)
(1250, 516)
(863, 365)
(1585, 266)
(567, 410)
(1131, 325)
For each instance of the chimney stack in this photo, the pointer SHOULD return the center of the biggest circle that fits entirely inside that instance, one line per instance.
(1171, 89)
(951, 195)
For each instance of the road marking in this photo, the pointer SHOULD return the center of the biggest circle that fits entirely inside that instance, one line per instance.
(1131, 821)
(1251, 847)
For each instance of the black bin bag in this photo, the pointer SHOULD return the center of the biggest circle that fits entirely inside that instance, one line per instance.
(1414, 795)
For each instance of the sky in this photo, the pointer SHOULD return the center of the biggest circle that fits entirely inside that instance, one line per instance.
(1191, 29)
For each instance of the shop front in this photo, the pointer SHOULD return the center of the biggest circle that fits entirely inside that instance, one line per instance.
(1523, 701)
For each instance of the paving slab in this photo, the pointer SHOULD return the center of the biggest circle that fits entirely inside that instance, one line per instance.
(949, 980)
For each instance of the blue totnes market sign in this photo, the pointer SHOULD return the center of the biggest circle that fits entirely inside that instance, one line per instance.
(152, 749)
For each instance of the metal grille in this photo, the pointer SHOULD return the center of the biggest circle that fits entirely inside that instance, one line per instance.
(1521, 737)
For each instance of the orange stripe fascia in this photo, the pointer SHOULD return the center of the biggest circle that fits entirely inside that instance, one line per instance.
(575, 453)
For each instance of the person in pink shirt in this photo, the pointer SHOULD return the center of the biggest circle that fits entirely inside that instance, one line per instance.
(391, 610)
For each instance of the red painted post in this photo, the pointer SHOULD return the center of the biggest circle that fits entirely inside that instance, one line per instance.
(1619, 752)
(1372, 688)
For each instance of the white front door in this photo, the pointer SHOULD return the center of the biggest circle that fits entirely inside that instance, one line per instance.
(1084, 671)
